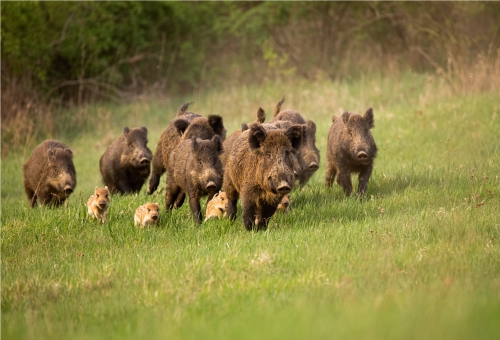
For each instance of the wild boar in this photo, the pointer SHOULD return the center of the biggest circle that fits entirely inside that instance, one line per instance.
(126, 163)
(168, 141)
(309, 156)
(228, 143)
(49, 174)
(351, 148)
(260, 169)
(196, 170)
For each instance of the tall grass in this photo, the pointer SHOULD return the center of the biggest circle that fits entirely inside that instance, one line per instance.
(418, 257)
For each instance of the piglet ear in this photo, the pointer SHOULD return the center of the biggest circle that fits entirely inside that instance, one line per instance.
(126, 130)
(345, 117)
(257, 135)
(294, 133)
(368, 118)
(181, 125)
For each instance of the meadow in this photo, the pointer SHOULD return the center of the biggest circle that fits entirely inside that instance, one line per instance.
(417, 257)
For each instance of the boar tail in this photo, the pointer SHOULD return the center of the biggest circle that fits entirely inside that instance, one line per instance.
(278, 106)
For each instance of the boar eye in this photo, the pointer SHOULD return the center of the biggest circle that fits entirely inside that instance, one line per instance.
(56, 169)
(350, 134)
(131, 146)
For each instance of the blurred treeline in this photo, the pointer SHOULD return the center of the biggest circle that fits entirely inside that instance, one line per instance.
(71, 53)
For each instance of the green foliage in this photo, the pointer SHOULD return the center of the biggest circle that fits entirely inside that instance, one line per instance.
(421, 249)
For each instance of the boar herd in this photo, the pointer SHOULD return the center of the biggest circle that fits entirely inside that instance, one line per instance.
(258, 164)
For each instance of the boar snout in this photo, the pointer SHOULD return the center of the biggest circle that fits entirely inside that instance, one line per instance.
(314, 166)
(68, 189)
(362, 156)
(144, 161)
(211, 186)
(284, 188)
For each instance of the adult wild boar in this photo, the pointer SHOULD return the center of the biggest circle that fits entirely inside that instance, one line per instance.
(49, 174)
(260, 170)
(228, 143)
(125, 165)
(196, 170)
(351, 148)
(169, 139)
(308, 154)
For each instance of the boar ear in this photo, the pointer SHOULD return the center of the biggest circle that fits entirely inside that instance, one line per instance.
(278, 106)
(368, 118)
(194, 144)
(144, 129)
(345, 117)
(304, 133)
(126, 130)
(181, 125)
(244, 127)
(257, 135)
(215, 121)
(261, 115)
(51, 153)
(311, 125)
(294, 133)
(334, 118)
(216, 139)
(183, 109)
(69, 152)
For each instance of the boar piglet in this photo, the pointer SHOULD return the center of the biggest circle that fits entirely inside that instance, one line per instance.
(260, 169)
(196, 170)
(351, 148)
(125, 165)
(49, 174)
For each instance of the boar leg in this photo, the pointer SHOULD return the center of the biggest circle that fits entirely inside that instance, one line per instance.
(157, 170)
(364, 176)
(194, 203)
(122, 186)
(232, 197)
(267, 212)
(172, 193)
(330, 175)
(249, 216)
(344, 179)
(179, 201)
(31, 196)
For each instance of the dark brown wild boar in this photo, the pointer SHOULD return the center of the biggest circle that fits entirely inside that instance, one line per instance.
(260, 170)
(125, 165)
(351, 148)
(49, 174)
(196, 170)
(228, 143)
(308, 154)
(169, 139)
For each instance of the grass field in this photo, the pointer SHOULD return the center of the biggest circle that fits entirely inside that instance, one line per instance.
(419, 257)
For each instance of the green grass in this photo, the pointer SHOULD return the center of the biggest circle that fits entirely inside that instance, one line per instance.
(419, 257)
